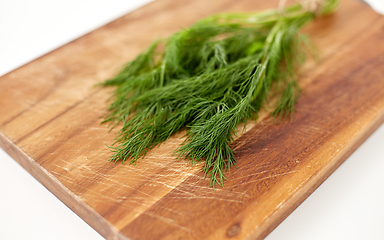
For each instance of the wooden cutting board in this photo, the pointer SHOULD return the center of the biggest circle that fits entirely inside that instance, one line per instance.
(50, 114)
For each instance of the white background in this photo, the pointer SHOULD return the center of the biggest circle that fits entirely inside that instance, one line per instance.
(348, 205)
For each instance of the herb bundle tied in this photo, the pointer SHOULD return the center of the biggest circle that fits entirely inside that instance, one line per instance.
(207, 79)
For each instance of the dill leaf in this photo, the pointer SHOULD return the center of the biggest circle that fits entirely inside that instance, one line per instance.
(207, 79)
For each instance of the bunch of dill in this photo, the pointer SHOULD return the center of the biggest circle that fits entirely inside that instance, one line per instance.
(207, 79)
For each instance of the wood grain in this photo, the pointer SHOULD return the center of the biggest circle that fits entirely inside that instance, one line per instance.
(50, 124)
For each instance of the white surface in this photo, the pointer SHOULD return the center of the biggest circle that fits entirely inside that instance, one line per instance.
(377, 5)
(347, 206)
(29, 29)
(29, 211)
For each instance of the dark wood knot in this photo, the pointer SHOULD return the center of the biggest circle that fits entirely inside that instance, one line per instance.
(234, 230)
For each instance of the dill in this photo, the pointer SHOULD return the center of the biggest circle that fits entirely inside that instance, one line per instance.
(207, 79)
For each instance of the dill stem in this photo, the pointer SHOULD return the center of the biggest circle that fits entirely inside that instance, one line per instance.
(163, 66)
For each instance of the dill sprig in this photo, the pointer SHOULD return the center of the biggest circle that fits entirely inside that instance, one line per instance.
(207, 79)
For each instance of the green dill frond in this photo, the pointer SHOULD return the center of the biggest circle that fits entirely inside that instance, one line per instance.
(207, 79)
(287, 100)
